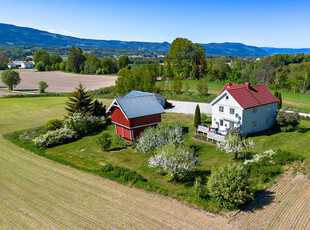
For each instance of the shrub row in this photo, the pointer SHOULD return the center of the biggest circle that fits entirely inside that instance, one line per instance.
(121, 174)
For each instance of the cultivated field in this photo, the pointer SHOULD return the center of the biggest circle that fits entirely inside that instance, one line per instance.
(61, 82)
(285, 205)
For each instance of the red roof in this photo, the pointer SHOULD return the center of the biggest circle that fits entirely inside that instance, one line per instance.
(250, 96)
(28, 63)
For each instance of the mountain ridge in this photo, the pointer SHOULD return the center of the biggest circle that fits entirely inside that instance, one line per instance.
(11, 35)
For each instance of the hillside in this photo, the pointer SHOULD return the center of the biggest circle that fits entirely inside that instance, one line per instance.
(12, 36)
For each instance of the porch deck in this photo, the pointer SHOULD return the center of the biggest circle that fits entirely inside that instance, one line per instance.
(210, 134)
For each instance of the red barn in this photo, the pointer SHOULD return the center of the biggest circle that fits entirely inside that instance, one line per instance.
(132, 116)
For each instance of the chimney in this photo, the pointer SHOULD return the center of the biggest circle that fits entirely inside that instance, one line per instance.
(229, 83)
(248, 85)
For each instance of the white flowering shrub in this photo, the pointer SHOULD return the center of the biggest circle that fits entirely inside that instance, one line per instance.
(84, 124)
(234, 143)
(154, 138)
(55, 137)
(176, 160)
(260, 156)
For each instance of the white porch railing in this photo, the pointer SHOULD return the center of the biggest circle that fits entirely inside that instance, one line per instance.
(210, 134)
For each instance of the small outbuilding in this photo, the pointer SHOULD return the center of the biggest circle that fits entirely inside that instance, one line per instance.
(161, 99)
(132, 115)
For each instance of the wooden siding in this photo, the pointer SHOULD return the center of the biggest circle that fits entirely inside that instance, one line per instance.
(145, 120)
(117, 116)
(138, 131)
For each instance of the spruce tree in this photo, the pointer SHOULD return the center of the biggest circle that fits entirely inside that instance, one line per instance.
(99, 110)
(280, 103)
(80, 101)
(197, 118)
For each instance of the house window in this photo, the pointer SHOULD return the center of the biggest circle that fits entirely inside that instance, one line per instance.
(221, 109)
(221, 122)
(254, 123)
(226, 97)
(267, 120)
(232, 111)
(254, 110)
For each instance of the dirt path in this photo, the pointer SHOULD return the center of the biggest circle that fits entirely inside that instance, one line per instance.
(61, 82)
(285, 205)
(36, 193)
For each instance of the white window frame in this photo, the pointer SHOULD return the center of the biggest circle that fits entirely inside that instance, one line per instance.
(231, 109)
(221, 122)
(221, 109)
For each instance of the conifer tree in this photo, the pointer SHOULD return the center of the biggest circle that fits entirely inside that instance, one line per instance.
(280, 99)
(197, 118)
(99, 110)
(80, 101)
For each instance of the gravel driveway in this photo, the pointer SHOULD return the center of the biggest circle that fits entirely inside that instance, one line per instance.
(189, 107)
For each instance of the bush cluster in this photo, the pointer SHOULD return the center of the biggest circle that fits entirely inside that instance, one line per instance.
(287, 121)
(73, 127)
(84, 124)
(121, 174)
(118, 142)
(154, 138)
(55, 137)
(53, 124)
(267, 165)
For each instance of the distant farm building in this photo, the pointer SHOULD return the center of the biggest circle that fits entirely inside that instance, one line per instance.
(21, 64)
(161, 99)
(132, 115)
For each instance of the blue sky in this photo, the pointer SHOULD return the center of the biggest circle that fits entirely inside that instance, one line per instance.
(261, 23)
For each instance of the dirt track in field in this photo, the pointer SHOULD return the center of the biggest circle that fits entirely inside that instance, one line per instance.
(61, 82)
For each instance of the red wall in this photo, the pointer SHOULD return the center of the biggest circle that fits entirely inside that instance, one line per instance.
(138, 131)
(145, 120)
(118, 117)
(127, 133)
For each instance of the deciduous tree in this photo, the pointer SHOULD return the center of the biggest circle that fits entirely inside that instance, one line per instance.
(10, 78)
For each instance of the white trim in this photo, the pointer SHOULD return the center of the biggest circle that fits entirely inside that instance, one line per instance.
(117, 105)
(155, 123)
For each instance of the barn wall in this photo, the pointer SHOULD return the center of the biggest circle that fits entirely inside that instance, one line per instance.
(138, 131)
(118, 117)
(145, 120)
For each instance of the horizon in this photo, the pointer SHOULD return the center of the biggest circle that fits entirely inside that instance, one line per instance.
(277, 24)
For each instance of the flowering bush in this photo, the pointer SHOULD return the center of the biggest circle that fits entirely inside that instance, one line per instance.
(230, 186)
(84, 124)
(259, 156)
(154, 138)
(177, 160)
(55, 137)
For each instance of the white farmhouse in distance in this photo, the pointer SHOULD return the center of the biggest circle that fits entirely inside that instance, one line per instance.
(250, 108)
(21, 64)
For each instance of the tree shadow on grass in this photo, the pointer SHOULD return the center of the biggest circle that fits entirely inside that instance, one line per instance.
(264, 199)
(302, 129)
(189, 178)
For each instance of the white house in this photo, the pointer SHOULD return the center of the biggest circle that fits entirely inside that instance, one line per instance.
(21, 64)
(250, 108)
(11, 65)
(27, 65)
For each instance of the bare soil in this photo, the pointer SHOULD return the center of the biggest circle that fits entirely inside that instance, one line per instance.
(285, 205)
(59, 81)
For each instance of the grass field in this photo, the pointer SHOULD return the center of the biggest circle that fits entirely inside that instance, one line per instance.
(39, 193)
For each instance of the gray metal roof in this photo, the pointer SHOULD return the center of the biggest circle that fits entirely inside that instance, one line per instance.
(139, 106)
(135, 93)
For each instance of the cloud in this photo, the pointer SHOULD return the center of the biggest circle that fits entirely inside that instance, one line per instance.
(52, 30)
